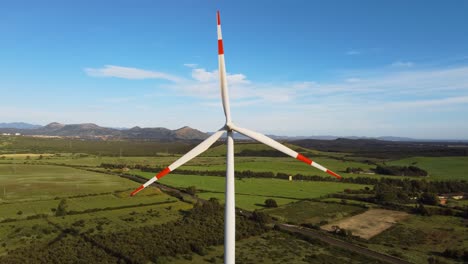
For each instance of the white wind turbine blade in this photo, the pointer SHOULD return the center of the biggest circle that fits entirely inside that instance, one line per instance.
(276, 145)
(202, 147)
(222, 74)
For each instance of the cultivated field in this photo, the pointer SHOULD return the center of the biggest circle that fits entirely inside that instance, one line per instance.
(37, 175)
(95, 203)
(439, 168)
(369, 223)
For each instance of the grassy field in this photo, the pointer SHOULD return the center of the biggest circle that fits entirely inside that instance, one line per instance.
(239, 147)
(43, 182)
(418, 237)
(251, 193)
(25, 144)
(96, 202)
(312, 212)
(34, 182)
(439, 168)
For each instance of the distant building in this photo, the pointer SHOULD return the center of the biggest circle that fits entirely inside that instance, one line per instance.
(290, 177)
(455, 196)
(17, 134)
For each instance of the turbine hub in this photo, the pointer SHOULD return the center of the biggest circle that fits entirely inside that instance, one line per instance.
(229, 126)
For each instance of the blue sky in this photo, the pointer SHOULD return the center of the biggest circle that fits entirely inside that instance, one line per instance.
(365, 68)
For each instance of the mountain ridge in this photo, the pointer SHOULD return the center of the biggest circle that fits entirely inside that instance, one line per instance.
(91, 130)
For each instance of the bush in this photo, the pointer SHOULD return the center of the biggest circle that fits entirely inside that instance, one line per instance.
(192, 190)
(270, 203)
(62, 208)
(261, 217)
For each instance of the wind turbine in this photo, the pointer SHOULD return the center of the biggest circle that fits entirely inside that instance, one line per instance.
(229, 127)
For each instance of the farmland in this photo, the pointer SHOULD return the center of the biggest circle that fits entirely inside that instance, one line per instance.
(414, 237)
(36, 179)
(31, 195)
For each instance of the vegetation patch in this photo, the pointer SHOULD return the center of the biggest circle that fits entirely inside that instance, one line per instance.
(313, 212)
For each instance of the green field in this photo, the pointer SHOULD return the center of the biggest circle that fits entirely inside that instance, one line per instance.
(311, 212)
(416, 237)
(34, 181)
(96, 202)
(251, 192)
(439, 168)
(43, 182)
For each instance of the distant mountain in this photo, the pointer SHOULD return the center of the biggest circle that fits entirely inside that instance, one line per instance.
(189, 133)
(19, 125)
(93, 131)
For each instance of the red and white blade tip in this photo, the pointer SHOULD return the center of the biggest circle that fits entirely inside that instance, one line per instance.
(218, 17)
(137, 190)
(315, 164)
(155, 178)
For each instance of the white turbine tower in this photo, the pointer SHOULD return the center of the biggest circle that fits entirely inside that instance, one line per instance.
(229, 127)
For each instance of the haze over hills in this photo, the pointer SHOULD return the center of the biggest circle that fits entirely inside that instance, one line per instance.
(90, 130)
(19, 125)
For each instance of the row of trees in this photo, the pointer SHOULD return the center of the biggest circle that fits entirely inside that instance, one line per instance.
(400, 171)
(408, 185)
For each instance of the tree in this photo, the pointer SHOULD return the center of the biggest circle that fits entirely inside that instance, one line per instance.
(192, 190)
(260, 217)
(270, 203)
(62, 208)
(422, 210)
(429, 198)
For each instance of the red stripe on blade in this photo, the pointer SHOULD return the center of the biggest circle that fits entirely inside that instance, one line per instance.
(163, 173)
(137, 190)
(218, 18)
(304, 159)
(333, 174)
(220, 47)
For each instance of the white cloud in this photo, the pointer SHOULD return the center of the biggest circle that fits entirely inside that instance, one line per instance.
(409, 83)
(205, 84)
(129, 73)
(402, 64)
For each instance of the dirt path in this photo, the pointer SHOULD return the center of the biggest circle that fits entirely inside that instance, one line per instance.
(369, 223)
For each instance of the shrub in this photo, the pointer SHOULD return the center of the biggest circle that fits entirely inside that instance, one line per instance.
(270, 203)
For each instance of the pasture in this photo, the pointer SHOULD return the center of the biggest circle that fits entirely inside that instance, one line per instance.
(252, 192)
(313, 212)
(20, 182)
(439, 168)
(95, 203)
(417, 237)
